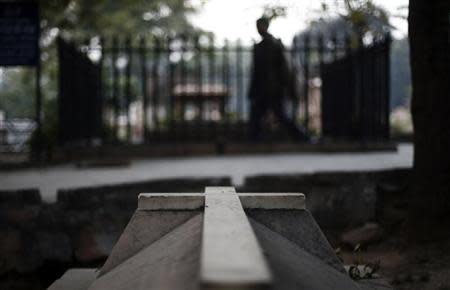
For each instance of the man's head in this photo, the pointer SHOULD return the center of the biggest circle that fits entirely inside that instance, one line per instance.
(262, 24)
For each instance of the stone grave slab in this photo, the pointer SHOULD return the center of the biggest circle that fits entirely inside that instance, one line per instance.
(220, 239)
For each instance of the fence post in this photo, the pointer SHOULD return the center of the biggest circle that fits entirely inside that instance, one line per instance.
(143, 60)
(115, 81)
(239, 95)
(184, 134)
(351, 55)
(199, 82)
(100, 87)
(226, 83)
(320, 50)
(306, 48)
(293, 56)
(155, 81)
(387, 64)
(211, 80)
(170, 114)
(129, 54)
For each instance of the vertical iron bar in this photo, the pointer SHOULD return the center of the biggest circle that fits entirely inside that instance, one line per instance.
(211, 82)
(350, 56)
(306, 48)
(115, 92)
(39, 135)
(143, 56)
(239, 96)
(199, 85)
(87, 124)
(226, 83)
(320, 42)
(155, 81)
(38, 96)
(387, 80)
(361, 88)
(183, 96)
(101, 93)
(170, 114)
(294, 52)
(129, 54)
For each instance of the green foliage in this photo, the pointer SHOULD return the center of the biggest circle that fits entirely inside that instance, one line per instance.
(273, 11)
(362, 17)
(365, 16)
(108, 16)
(17, 93)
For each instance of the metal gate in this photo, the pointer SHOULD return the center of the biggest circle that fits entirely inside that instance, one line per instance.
(355, 94)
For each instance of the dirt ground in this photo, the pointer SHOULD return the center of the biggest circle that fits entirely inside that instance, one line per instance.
(408, 260)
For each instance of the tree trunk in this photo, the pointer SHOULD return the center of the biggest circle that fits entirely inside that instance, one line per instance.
(430, 50)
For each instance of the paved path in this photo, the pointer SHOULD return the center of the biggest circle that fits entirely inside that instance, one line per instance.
(49, 180)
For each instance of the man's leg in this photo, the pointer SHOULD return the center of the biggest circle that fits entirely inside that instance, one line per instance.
(296, 132)
(257, 112)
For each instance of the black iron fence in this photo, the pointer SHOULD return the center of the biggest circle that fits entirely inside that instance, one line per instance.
(355, 94)
(191, 89)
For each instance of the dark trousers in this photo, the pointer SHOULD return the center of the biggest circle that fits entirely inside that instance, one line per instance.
(261, 107)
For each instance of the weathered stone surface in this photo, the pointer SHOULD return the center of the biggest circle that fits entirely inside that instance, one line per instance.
(364, 235)
(295, 268)
(171, 262)
(295, 225)
(75, 279)
(171, 201)
(286, 201)
(144, 228)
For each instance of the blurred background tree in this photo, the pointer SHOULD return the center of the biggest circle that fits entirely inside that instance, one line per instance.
(363, 19)
(81, 19)
(108, 16)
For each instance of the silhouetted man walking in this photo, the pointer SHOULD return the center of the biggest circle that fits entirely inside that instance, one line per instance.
(270, 80)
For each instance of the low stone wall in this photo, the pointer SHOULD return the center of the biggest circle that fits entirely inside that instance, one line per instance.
(79, 229)
(336, 199)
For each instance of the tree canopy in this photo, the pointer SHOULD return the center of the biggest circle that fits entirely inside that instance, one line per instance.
(110, 16)
(360, 17)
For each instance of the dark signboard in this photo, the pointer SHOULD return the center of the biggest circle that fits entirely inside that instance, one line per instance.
(19, 33)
